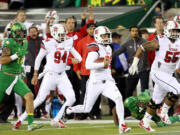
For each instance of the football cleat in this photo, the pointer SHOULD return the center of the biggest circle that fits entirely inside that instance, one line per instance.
(17, 125)
(123, 129)
(164, 116)
(146, 126)
(59, 124)
(34, 126)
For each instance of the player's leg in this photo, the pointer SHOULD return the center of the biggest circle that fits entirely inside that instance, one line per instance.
(48, 103)
(66, 89)
(94, 89)
(18, 104)
(46, 85)
(157, 98)
(21, 89)
(171, 85)
(7, 79)
(111, 91)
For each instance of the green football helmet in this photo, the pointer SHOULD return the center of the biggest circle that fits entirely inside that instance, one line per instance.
(18, 31)
(144, 98)
(130, 102)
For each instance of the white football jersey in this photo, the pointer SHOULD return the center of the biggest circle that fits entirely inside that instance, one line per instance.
(167, 56)
(57, 54)
(98, 71)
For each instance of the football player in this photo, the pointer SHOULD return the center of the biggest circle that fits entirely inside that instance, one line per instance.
(50, 19)
(13, 53)
(138, 105)
(100, 80)
(167, 48)
(56, 51)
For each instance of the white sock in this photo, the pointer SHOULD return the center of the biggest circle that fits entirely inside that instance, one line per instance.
(147, 117)
(165, 108)
(48, 108)
(60, 113)
(18, 103)
(23, 116)
(120, 111)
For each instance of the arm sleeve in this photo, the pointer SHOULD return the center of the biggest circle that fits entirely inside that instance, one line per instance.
(90, 64)
(79, 49)
(76, 54)
(39, 58)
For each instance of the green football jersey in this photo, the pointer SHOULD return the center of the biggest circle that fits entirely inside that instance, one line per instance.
(14, 66)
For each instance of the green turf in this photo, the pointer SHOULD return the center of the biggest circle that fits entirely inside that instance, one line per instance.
(88, 129)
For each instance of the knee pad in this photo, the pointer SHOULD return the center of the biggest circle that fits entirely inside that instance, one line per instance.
(152, 105)
(172, 97)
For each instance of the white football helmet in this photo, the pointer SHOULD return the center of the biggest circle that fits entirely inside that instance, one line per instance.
(169, 26)
(99, 31)
(52, 14)
(177, 18)
(58, 31)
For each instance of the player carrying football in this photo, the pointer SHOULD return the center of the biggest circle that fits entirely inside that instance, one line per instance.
(101, 80)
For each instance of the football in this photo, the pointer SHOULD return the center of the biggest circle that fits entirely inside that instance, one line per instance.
(99, 60)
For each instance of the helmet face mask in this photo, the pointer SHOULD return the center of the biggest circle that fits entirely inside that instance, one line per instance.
(18, 31)
(172, 30)
(58, 32)
(62, 37)
(102, 35)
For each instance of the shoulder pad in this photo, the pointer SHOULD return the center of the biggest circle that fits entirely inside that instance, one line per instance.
(93, 48)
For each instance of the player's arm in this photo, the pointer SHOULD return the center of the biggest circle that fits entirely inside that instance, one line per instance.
(38, 61)
(6, 58)
(93, 55)
(76, 55)
(91, 64)
(147, 46)
(90, 61)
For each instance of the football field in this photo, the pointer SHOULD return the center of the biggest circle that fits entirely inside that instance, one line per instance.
(89, 127)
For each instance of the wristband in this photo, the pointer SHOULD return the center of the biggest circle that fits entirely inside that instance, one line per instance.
(14, 57)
